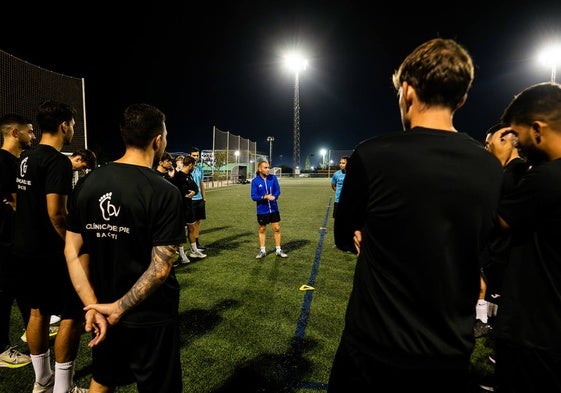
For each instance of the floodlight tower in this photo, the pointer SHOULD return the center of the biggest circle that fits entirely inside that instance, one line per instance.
(323, 152)
(270, 139)
(551, 57)
(296, 63)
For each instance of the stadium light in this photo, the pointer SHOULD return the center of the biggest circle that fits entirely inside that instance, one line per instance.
(296, 63)
(237, 155)
(323, 152)
(270, 139)
(551, 57)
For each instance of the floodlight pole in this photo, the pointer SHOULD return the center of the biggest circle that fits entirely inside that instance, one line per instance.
(270, 139)
(296, 63)
(296, 150)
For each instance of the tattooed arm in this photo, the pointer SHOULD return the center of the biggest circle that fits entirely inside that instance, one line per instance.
(153, 277)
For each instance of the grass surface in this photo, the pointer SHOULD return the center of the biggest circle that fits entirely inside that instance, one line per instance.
(246, 325)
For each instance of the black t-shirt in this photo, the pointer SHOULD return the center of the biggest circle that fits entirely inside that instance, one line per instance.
(8, 170)
(185, 183)
(496, 256)
(42, 170)
(122, 211)
(530, 310)
(425, 201)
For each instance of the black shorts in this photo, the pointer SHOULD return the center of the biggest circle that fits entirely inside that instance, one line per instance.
(264, 219)
(188, 213)
(148, 356)
(199, 210)
(10, 275)
(50, 289)
(353, 370)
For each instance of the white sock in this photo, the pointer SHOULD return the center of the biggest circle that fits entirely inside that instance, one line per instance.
(481, 310)
(492, 309)
(182, 252)
(278, 248)
(194, 247)
(262, 249)
(63, 377)
(42, 367)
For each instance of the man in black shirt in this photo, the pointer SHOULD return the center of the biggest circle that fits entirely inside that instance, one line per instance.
(17, 136)
(122, 268)
(417, 206)
(44, 182)
(528, 343)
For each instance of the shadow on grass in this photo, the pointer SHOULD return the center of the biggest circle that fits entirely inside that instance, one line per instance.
(271, 372)
(213, 229)
(196, 322)
(295, 244)
(230, 243)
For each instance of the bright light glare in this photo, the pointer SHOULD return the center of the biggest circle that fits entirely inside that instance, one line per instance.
(323, 152)
(551, 56)
(295, 62)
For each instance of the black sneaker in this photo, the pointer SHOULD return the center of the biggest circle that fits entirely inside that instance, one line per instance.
(481, 329)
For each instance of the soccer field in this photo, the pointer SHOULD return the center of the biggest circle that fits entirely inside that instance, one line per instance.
(268, 325)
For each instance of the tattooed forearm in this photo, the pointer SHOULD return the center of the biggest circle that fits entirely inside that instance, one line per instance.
(153, 277)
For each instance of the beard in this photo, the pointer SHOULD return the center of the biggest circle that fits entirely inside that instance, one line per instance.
(25, 145)
(534, 155)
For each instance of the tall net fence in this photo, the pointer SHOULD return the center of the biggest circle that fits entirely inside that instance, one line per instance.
(23, 86)
(233, 158)
(333, 156)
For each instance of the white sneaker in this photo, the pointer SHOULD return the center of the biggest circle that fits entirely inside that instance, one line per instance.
(12, 358)
(197, 254)
(281, 253)
(53, 331)
(54, 319)
(46, 388)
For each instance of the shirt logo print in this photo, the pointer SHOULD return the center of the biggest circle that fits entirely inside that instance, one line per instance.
(107, 208)
(23, 167)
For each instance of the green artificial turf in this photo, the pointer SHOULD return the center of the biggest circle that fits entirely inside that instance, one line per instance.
(247, 324)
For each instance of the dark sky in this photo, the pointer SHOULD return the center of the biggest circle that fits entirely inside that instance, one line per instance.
(220, 64)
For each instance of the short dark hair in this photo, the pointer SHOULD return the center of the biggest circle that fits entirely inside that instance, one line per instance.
(166, 156)
(51, 114)
(140, 123)
(88, 157)
(12, 118)
(194, 149)
(496, 127)
(188, 160)
(541, 101)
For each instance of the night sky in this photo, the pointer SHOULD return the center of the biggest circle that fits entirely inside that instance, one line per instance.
(221, 64)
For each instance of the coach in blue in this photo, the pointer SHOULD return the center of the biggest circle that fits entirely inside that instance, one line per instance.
(265, 191)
